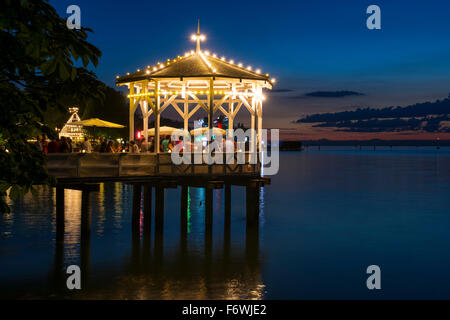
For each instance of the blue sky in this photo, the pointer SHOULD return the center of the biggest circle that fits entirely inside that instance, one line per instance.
(307, 45)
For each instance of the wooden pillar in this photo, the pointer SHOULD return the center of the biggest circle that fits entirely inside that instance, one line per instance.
(147, 209)
(208, 216)
(131, 114)
(208, 222)
(136, 211)
(252, 227)
(146, 246)
(227, 223)
(210, 117)
(252, 127)
(231, 113)
(60, 223)
(186, 110)
(259, 109)
(211, 105)
(184, 210)
(159, 221)
(145, 119)
(227, 205)
(208, 207)
(157, 116)
(252, 206)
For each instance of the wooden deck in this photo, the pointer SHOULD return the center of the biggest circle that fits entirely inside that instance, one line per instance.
(125, 166)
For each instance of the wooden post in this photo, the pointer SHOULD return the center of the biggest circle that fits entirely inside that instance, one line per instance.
(227, 205)
(227, 222)
(131, 115)
(208, 207)
(231, 113)
(145, 111)
(252, 206)
(145, 120)
(186, 109)
(208, 218)
(259, 127)
(252, 227)
(157, 116)
(183, 210)
(159, 221)
(147, 209)
(136, 211)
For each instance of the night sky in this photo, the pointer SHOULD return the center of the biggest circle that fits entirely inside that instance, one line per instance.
(308, 46)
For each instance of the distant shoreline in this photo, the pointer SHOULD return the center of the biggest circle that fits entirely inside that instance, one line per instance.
(371, 143)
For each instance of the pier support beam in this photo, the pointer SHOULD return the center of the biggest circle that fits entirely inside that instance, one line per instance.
(136, 211)
(208, 207)
(184, 210)
(252, 205)
(252, 228)
(159, 221)
(227, 205)
(147, 209)
(208, 220)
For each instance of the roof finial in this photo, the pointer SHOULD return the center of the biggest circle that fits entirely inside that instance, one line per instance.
(198, 37)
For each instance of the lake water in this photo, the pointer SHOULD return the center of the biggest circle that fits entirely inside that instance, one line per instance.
(327, 215)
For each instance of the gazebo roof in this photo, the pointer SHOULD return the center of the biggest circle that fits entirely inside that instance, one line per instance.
(194, 65)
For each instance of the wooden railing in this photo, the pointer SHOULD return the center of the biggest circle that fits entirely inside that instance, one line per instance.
(114, 165)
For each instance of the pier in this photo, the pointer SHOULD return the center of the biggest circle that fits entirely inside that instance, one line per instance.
(151, 175)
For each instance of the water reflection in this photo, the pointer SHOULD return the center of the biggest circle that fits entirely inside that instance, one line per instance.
(195, 268)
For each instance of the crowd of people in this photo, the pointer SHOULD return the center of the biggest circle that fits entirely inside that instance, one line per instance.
(66, 145)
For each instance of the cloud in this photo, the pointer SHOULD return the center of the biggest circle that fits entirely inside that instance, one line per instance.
(332, 94)
(282, 90)
(427, 117)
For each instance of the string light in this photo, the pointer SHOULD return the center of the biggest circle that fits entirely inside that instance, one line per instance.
(199, 37)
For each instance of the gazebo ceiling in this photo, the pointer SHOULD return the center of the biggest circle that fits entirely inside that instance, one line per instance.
(195, 65)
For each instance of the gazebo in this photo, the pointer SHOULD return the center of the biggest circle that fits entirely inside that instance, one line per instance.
(198, 79)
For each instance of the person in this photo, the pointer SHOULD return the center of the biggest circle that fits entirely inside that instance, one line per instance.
(144, 145)
(187, 145)
(102, 145)
(53, 146)
(69, 143)
(178, 143)
(165, 144)
(133, 147)
(109, 147)
(38, 144)
(117, 147)
(44, 144)
(63, 146)
(151, 147)
(229, 145)
(86, 146)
